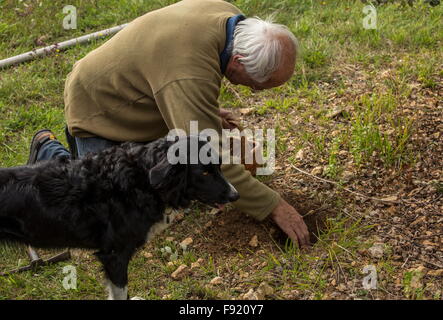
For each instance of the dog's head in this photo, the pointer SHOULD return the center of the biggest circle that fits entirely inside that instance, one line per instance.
(190, 170)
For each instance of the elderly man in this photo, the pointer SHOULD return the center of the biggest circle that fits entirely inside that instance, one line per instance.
(164, 70)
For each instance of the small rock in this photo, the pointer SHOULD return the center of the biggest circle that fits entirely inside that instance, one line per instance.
(253, 295)
(341, 287)
(300, 154)
(377, 250)
(41, 40)
(249, 295)
(214, 211)
(266, 289)
(186, 242)
(259, 295)
(317, 171)
(216, 281)
(347, 176)
(180, 272)
(335, 112)
(254, 241)
(246, 111)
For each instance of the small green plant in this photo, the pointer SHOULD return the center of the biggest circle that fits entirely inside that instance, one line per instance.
(370, 141)
(426, 76)
(174, 250)
(315, 58)
(412, 287)
(439, 186)
(333, 166)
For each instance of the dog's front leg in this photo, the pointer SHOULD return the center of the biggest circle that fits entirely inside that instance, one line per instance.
(115, 292)
(116, 269)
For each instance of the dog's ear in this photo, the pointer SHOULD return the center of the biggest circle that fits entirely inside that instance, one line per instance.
(160, 173)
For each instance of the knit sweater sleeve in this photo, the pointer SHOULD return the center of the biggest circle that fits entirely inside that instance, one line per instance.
(183, 101)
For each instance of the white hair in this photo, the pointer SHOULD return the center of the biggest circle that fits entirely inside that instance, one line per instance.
(258, 42)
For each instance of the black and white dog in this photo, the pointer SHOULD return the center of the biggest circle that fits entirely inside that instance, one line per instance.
(112, 201)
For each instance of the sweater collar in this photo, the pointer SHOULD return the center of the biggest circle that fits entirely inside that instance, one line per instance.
(227, 51)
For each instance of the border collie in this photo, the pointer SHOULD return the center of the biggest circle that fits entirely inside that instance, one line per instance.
(112, 201)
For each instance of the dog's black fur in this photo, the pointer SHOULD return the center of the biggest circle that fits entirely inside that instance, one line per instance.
(106, 201)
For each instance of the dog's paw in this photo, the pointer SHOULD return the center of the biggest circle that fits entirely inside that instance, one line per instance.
(137, 298)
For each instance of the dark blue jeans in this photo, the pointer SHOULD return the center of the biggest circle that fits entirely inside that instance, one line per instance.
(53, 149)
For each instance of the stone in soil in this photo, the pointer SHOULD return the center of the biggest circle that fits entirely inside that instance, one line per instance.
(181, 271)
(265, 289)
(377, 250)
(254, 241)
(216, 281)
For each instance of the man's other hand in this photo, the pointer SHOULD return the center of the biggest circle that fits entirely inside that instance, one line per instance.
(229, 120)
(291, 222)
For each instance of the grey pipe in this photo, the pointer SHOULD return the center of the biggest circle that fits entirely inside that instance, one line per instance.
(59, 46)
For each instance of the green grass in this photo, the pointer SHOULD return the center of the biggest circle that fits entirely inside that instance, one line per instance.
(369, 140)
(370, 74)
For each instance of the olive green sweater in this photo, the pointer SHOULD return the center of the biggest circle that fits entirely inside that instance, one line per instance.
(159, 73)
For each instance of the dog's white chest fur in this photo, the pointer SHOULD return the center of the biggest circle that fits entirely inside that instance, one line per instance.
(168, 217)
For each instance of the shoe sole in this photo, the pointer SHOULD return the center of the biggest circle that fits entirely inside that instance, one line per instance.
(36, 145)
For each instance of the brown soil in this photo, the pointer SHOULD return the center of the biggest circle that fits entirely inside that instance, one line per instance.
(230, 232)
(314, 213)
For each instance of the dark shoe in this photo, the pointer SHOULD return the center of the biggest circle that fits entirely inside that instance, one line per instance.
(40, 138)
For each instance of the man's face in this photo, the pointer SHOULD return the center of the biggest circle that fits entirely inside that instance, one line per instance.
(236, 73)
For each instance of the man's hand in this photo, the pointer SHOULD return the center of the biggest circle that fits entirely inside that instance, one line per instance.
(229, 120)
(291, 222)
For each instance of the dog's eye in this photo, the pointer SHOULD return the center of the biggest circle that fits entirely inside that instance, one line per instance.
(205, 173)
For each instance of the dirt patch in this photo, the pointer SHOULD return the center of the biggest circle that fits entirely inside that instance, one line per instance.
(315, 213)
(231, 232)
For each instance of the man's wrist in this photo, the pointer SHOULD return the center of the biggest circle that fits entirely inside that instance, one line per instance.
(276, 199)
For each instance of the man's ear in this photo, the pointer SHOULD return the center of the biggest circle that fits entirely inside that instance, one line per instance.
(159, 174)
